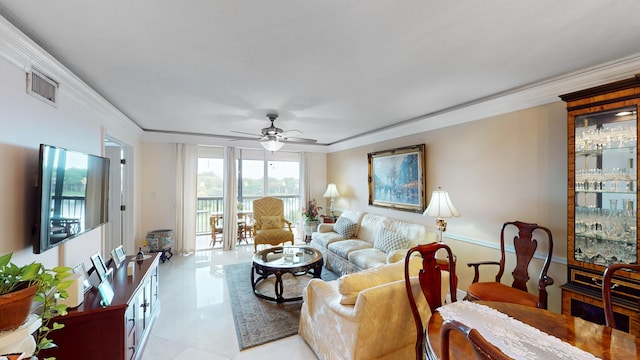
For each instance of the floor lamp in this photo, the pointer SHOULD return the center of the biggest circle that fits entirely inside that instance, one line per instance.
(441, 207)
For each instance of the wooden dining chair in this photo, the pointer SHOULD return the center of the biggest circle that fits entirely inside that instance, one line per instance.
(430, 280)
(484, 349)
(606, 290)
(525, 247)
(249, 223)
(216, 230)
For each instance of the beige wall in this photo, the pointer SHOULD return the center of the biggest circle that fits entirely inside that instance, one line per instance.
(504, 168)
(157, 190)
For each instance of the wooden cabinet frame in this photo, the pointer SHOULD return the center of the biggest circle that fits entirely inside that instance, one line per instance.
(583, 290)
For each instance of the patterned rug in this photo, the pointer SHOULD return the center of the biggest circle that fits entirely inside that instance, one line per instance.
(260, 321)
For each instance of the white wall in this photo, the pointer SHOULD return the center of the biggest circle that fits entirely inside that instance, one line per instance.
(504, 168)
(79, 122)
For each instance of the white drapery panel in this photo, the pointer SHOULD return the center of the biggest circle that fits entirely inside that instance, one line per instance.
(230, 189)
(186, 175)
(305, 192)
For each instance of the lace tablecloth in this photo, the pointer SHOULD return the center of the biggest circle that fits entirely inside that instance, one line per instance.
(513, 337)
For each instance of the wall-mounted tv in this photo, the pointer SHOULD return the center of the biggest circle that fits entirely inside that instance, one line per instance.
(73, 192)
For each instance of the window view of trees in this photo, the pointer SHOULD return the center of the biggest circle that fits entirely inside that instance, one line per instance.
(284, 178)
(209, 177)
(74, 183)
(252, 177)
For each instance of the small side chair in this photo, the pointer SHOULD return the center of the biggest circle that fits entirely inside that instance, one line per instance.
(525, 246)
(216, 230)
(484, 349)
(430, 280)
(606, 290)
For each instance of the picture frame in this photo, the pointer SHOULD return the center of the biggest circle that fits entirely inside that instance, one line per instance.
(397, 178)
(99, 266)
(106, 293)
(118, 255)
(81, 269)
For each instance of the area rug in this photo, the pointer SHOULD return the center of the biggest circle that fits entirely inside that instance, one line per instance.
(261, 321)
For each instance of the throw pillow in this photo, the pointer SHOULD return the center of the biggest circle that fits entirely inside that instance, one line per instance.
(388, 240)
(345, 227)
(349, 286)
(271, 222)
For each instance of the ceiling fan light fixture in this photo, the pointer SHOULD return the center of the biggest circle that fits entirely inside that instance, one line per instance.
(272, 144)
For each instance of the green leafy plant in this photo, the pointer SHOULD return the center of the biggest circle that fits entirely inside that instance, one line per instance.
(51, 285)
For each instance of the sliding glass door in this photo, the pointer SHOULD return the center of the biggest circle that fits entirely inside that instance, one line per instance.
(259, 173)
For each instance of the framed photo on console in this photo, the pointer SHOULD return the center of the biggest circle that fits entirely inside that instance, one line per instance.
(106, 293)
(396, 178)
(118, 256)
(99, 266)
(80, 269)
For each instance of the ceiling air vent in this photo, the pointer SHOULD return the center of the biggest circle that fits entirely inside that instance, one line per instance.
(42, 87)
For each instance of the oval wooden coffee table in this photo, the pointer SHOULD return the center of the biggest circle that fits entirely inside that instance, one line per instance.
(279, 260)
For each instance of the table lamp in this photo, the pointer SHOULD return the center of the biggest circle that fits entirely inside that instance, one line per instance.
(441, 207)
(331, 192)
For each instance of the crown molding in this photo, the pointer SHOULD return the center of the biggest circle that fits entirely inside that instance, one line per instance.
(22, 52)
(524, 97)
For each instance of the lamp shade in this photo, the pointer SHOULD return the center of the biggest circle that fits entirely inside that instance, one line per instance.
(331, 192)
(440, 205)
(272, 144)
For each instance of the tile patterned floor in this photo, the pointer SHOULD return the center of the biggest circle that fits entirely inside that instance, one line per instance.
(195, 320)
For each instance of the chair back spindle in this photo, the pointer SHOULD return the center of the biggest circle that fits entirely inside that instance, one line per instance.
(606, 290)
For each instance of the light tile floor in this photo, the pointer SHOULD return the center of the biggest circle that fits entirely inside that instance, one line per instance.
(195, 320)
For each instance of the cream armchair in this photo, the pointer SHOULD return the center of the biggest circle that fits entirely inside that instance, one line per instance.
(363, 315)
(269, 227)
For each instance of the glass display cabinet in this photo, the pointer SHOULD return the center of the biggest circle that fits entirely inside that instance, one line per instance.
(602, 201)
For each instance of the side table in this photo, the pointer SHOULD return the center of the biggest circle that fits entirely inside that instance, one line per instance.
(329, 219)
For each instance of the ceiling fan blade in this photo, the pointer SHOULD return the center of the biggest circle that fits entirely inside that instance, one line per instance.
(290, 131)
(246, 133)
(300, 140)
(273, 133)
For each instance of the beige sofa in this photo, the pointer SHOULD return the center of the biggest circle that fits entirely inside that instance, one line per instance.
(364, 315)
(363, 247)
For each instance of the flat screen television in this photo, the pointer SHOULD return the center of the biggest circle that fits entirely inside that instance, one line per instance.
(73, 193)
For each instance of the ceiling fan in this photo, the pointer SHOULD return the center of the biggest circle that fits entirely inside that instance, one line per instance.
(272, 138)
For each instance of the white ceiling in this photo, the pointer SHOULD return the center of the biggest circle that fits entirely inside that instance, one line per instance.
(335, 70)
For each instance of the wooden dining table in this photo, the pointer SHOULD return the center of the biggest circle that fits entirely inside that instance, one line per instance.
(599, 340)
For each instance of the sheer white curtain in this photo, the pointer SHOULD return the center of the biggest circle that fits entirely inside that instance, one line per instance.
(186, 175)
(230, 189)
(305, 194)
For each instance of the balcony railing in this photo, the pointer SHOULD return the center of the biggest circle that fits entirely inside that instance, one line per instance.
(208, 205)
(73, 207)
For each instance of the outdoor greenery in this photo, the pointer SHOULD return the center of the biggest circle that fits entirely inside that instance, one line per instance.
(210, 185)
(74, 182)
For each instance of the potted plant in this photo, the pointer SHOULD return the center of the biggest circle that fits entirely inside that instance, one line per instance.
(32, 284)
(310, 214)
